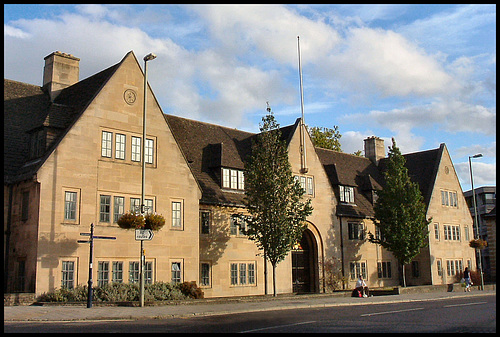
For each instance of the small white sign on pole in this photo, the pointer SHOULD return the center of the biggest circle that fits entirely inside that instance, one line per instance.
(143, 234)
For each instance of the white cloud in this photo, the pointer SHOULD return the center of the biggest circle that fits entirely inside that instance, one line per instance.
(93, 10)
(384, 62)
(452, 116)
(9, 31)
(485, 150)
(484, 174)
(452, 31)
(270, 29)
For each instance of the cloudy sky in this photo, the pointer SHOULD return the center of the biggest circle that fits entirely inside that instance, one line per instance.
(423, 74)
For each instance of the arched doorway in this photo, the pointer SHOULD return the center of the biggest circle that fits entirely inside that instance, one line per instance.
(304, 265)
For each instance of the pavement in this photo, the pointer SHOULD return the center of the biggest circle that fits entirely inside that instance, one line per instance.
(210, 307)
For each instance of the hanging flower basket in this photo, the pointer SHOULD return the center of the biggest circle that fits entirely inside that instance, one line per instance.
(478, 243)
(154, 221)
(137, 221)
(131, 221)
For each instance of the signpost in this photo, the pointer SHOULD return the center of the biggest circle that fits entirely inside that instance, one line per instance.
(91, 241)
(143, 235)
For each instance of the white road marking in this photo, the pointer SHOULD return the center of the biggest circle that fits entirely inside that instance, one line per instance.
(276, 326)
(463, 304)
(390, 312)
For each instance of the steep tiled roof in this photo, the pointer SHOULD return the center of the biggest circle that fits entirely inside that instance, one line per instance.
(207, 148)
(27, 107)
(350, 170)
(422, 169)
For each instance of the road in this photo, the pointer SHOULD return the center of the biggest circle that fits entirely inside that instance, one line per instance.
(450, 315)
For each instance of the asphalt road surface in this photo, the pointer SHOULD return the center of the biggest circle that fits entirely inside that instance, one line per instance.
(450, 315)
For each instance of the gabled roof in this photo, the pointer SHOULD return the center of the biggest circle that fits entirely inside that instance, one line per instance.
(355, 171)
(207, 147)
(422, 169)
(28, 107)
(25, 107)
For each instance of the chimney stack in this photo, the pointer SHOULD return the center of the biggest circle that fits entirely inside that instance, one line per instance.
(61, 71)
(374, 149)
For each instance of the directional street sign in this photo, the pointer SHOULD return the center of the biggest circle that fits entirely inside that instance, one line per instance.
(91, 241)
(143, 234)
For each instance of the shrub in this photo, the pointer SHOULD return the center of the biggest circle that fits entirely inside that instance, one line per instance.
(79, 293)
(161, 291)
(191, 289)
(122, 292)
(333, 274)
(116, 292)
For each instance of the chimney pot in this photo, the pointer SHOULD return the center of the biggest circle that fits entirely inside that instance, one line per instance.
(61, 71)
(374, 149)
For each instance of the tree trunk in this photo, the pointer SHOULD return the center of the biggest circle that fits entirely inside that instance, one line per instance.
(265, 273)
(274, 279)
(404, 277)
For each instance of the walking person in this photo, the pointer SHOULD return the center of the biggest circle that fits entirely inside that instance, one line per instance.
(467, 279)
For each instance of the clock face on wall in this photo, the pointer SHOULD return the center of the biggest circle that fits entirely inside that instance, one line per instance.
(130, 96)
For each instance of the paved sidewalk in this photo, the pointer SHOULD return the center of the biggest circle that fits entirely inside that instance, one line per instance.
(223, 306)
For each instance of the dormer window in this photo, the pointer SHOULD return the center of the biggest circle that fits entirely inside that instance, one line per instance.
(37, 144)
(347, 194)
(233, 179)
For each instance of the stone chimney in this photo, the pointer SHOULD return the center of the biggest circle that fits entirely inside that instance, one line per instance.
(61, 71)
(374, 149)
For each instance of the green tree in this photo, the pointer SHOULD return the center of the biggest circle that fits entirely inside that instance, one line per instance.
(273, 196)
(400, 213)
(326, 138)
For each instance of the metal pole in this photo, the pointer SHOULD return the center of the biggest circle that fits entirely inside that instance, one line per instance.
(147, 58)
(302, 124)
(91, 257)
(143, 184)
(475, 219)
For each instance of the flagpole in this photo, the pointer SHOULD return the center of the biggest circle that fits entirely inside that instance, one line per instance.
(304, 168)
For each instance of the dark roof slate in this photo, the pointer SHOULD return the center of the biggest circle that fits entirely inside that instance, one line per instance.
(422, 168)
(28, 107)
(25, 108)
(355, 171)
(207, 148)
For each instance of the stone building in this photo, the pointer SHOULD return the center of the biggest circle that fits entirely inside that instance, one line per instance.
(72, 157)
(486, 210)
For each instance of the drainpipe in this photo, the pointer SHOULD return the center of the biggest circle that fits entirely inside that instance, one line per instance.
(7, 241)
(342, 251)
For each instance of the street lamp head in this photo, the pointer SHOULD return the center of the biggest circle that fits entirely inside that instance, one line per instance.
(149, 57)
(479, 155)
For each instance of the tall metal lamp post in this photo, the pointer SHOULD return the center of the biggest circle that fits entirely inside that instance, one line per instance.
(477, 236)
(147, 58)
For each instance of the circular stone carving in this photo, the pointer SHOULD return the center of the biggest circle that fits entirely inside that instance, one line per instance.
(130, 96)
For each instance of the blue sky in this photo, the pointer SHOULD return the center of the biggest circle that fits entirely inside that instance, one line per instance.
(423, 74)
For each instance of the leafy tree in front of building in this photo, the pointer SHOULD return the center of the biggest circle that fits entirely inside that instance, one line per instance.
(400, 213)
(273, 196)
